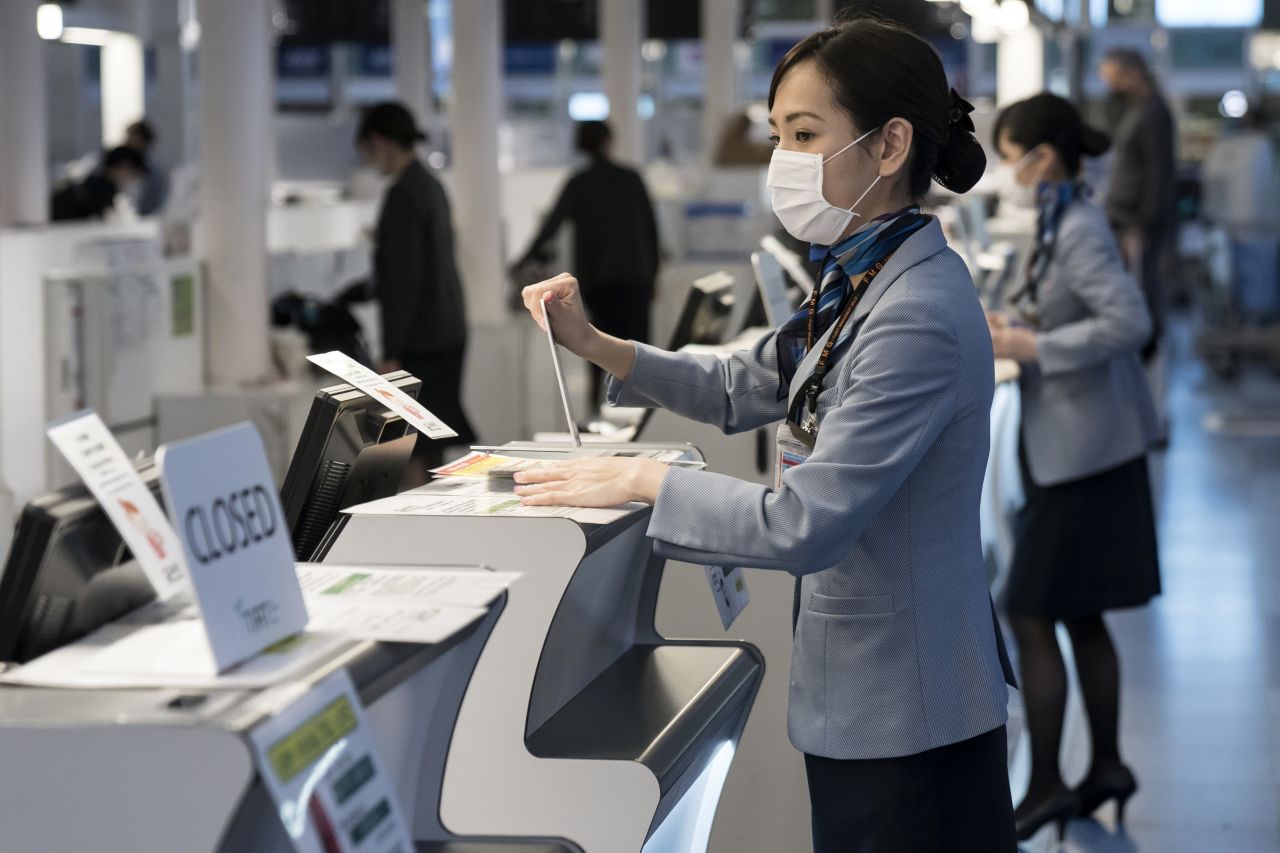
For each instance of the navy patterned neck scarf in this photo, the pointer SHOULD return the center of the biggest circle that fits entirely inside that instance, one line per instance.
(1052, 200)
(842, 266)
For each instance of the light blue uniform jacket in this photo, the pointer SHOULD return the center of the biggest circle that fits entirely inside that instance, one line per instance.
(896, 649)
(1086, 403)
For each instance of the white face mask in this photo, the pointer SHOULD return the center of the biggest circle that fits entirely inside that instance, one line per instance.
(1024, 196)
(795, 185)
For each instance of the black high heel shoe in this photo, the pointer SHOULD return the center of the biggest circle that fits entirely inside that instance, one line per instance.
(1115, 783)
(1058, 808)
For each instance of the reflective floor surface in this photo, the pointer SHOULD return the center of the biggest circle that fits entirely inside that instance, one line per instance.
(1200, 715)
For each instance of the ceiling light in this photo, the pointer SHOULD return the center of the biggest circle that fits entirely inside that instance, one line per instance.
(49, 21)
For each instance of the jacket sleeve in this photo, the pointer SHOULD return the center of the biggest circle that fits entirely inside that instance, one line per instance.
(906, 388)
(1118, 320)
(736, 394)
(400, 272)
(551, 225)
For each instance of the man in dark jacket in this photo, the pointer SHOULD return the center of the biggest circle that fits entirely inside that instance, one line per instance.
(1140, 199)
(423, 317)
(91, 198)
(615, 236)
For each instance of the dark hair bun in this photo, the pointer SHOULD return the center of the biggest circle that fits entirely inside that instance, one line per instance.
(1093, 142)
(961, 162)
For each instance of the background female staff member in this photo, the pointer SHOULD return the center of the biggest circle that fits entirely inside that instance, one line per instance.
(1086, 538)
(897, 687)
(424, 322)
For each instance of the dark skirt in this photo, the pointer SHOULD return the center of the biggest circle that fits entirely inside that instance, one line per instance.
(953, 799)
(1085, 546)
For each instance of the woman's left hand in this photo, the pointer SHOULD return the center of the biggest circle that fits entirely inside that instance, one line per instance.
(1011, 341)
(596, 483)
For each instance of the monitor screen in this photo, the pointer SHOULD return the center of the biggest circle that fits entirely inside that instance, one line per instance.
(68, 572)
(707, 312)
(352, 450)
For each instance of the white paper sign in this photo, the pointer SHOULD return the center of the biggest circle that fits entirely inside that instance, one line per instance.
(729, 588)
(112, 479)
(228, 515)
(377, 387)
(321, 767)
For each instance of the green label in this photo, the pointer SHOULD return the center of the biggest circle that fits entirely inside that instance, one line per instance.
(353, 780)
(502, 507)
(367, 824)
(344, 584)
(183, 298)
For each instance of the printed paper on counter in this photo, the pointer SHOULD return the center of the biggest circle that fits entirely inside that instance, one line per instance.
(476, 587)
(114, 482)
(377, 387)
(390, 622)
(425, 503)
(320, 764)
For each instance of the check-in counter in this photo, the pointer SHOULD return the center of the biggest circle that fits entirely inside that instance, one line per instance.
(559, 722)
(163, 770)
(579, 721)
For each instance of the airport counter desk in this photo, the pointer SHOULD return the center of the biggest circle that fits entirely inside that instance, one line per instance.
(561, 721)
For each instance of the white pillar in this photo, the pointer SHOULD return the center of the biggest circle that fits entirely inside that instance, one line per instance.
(411, 55)
(24, 132)
(719, 35)
(235, 141)
(824, 10)
(621, 29)
(1019, 66)
(475, 115)
(123, 81)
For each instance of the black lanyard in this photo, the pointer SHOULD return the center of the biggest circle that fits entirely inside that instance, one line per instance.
(813, 385)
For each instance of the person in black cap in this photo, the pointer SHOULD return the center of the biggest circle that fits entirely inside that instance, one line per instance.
(91, 198)
(415, 277)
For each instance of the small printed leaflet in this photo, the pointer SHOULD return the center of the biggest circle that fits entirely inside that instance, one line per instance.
(414, 413)
(113, 481)
(319, 762)
(729, 589)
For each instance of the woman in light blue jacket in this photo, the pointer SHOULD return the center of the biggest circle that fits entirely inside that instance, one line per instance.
(881, 386)
(1086, 539)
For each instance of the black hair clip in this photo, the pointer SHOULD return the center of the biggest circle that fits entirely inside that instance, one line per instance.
(958, 114)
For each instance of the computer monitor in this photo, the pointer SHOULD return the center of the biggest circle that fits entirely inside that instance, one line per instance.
(704, 319)
(707, 311)
(68, 572)
(353, 450)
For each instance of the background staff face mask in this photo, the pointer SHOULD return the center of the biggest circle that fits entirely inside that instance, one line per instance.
(1023, 196)
(795, 187)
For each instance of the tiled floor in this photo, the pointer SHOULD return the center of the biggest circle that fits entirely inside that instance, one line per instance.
(1200, 715)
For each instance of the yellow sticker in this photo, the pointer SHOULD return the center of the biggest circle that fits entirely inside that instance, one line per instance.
(303, 746)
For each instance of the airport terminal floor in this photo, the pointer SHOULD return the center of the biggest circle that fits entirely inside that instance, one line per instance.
(1201, 665)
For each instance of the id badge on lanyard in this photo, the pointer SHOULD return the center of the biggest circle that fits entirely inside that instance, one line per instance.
(793, 447)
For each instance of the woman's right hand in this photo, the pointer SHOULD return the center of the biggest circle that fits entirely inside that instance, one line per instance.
(563, 300)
